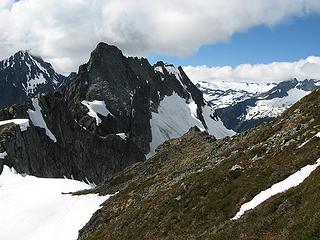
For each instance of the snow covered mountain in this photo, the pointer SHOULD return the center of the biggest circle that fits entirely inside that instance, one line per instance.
(115, 111)
(23, 75)
(250, 110)
(223, 94)
(243, 105)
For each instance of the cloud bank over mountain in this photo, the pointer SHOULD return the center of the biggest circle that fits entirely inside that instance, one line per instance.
(308, 68)
(64, 31)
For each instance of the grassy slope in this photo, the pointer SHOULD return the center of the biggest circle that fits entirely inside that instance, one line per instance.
(187, 191)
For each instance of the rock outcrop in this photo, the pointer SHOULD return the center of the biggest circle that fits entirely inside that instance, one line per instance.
(77, 153)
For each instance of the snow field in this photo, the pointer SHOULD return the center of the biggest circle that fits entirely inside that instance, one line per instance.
(35, 208)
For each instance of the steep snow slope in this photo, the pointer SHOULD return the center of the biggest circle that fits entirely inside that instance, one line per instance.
(37, 118)
(36, 208)
(175, 117)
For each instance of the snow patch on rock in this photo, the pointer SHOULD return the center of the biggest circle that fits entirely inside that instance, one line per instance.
(32, 84)
(23, 123)
(37, 118)
(96, 107)
(290, 182)
(174, 71)
(158, 69)
(236, 167)
(307, 141)
(3, 155)
(122, 135)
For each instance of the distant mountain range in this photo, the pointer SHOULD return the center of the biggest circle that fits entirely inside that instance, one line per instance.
(23, 75)
(242, 106)
(224, 93)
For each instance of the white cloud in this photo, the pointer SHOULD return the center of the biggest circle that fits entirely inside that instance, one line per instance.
(65, 31)
(273, 72)
(6, 4)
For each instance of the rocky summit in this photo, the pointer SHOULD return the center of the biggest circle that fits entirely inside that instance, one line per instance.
(204, 188)
(23, 75)
(114, 112)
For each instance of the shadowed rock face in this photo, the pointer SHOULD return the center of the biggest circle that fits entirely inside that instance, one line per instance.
(24, 75)
(131, 90)
(78, 153)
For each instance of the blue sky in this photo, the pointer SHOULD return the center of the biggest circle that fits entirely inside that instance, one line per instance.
(64, 32)
(292, 40)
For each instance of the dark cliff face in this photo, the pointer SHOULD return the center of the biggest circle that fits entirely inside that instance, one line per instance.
(87, 146)
(131, 90)
(108, 77)
(24, 75)
(78, 153)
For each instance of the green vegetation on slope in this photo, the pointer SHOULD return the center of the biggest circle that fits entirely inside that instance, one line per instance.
(189, 190)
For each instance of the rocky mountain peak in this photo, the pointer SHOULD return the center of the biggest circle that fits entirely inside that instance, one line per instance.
(115, 110)
(22, 56)
(159, 63)
(105, 56)
(16, 60)
(281, 89)
(307, 84)
(23, 75)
